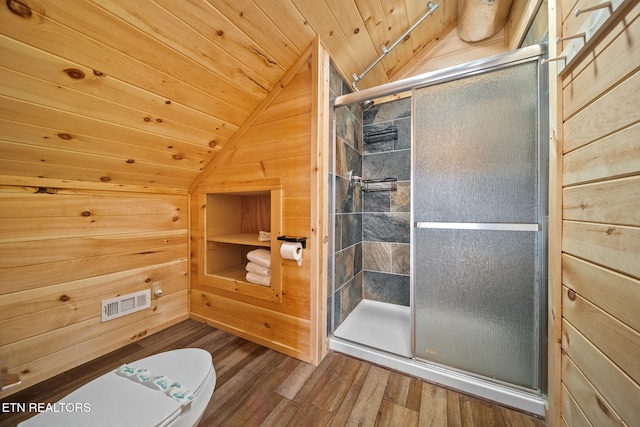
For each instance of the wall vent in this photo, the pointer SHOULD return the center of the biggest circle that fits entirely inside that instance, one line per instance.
(125, 304)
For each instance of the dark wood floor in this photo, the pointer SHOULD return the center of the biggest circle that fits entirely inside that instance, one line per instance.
(261, 387)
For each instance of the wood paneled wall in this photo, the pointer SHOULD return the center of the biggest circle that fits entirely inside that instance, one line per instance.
(65, 247)
(148, 92)
(600, 113)
(451, 50)
(281, 141)
(521, 17)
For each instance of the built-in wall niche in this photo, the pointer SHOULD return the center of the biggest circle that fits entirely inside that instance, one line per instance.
(233, 216)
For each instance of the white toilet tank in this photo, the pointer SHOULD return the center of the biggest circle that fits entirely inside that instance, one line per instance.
(116, 400)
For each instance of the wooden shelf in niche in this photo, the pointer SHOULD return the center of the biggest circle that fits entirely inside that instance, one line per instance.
(241, 239)
(233, 216)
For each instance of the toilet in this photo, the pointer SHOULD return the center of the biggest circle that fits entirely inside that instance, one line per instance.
(115, 399)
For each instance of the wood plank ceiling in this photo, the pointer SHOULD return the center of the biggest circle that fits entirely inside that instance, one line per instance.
(147, 92)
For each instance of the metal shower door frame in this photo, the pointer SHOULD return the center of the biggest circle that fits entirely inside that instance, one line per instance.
(521, 56)
(505, 393)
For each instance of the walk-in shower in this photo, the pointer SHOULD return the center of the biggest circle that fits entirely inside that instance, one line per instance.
(439, 227)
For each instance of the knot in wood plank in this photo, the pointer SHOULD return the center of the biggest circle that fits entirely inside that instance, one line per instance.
(19, 8)
(74, 73)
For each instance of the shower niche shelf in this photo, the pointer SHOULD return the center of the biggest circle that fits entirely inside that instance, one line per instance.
(232, 215)
(389, 133)
(377, 185)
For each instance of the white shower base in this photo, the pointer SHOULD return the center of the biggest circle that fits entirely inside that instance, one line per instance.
(379, 325)
(380, 333)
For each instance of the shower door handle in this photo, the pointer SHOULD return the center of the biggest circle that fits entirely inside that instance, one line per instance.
(491, 226)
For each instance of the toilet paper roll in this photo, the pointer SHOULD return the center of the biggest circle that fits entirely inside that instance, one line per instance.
(292, 250)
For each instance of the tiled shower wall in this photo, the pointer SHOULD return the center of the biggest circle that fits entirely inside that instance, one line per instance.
(372, 229)
(386, 218)
(348, 205)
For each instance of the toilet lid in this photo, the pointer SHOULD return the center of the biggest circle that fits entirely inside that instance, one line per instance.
(114, 400)
(189, 366)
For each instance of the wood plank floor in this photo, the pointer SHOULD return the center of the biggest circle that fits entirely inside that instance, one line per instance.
(257, 386)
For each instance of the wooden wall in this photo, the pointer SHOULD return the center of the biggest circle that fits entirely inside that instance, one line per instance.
(521, 17)
(279, 142)
(148, 92)
(451, 50)
(600, 114)
(66, 246)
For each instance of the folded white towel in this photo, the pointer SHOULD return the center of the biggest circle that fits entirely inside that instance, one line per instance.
(261, 257)
(252, 267)
(264, 236)
(258, 279)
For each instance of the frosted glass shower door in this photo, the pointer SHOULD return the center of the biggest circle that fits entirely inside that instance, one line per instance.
(476, 233)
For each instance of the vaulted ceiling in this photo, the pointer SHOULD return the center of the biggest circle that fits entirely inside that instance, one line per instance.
(147, 92)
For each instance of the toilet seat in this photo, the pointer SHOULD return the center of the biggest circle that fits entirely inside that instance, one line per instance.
(115, 400)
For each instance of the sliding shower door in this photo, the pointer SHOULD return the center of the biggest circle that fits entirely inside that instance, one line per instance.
(477, 211)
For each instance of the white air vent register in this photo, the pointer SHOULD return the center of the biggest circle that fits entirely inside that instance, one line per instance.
(125, 304)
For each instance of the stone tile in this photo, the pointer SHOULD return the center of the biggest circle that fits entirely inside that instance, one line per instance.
(355, 109)
(385, 287)
(351, 229)
(401, 199)
(337, 233)
(375, 147)
(330, 264)
(376, 256)
(357, 258)
(342, 164)
(336, 308)
(350, 296)
(336, 84)
(344, 266)
(347, 158)
(386, 227)
(376, 202)
(404, 134)
(381, 147)
(357, 196)
(346, 88)
(348, 263)
(353, 162)
(387, 111)
(348, 197)
(348, 128)
(401, 258)
(390, 164)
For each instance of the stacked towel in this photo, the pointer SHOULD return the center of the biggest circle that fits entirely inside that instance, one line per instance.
(259, 267)
(252, 267)
(264, 236)
(261, 257)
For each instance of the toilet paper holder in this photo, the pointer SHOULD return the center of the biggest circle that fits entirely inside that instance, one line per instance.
(301, 240)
